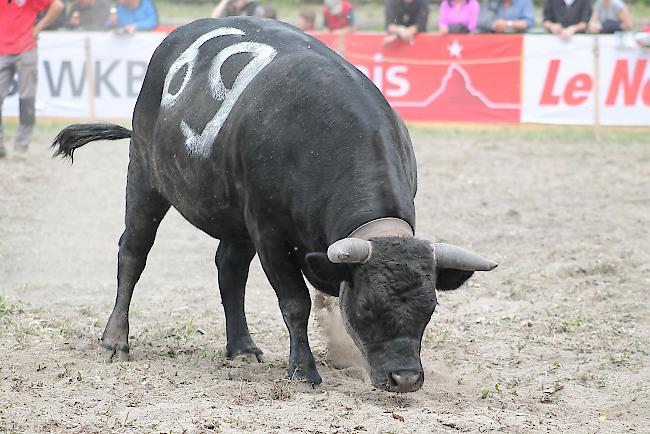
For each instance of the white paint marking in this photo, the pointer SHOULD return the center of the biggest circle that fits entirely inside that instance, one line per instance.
(188, 57)
(200, 145)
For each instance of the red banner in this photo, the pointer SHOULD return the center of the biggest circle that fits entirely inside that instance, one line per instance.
(448, 78)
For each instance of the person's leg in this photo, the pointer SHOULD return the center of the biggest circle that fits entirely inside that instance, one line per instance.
(27, 67)
(7, 70)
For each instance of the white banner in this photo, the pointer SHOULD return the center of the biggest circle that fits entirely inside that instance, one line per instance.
(624, 82)
(558, 80)
(118, 64)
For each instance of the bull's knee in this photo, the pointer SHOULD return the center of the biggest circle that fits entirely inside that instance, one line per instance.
(296, 311)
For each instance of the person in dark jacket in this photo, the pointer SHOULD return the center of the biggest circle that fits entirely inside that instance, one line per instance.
(566, 17)
(233, 8)
(405, 19)
(88, 15)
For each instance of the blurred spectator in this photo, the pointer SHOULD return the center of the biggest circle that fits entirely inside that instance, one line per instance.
(643, 38)
(88, 15)
(271, 13)
(506, 16)
(18, 55)
(132, 15)
(338, 16)
(307, 20)
(566, 17)
(59, 22)
(609, 16)
(458, 16)
(405, 19)
(232, 8)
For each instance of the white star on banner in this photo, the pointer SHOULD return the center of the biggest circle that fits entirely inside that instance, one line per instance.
(455, 49)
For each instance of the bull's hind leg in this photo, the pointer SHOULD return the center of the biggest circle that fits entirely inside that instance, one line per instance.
(145, 208)
(283, 271)
(233, 260)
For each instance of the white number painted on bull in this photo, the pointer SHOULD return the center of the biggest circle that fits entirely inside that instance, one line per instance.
(188, 57)
(201, 144)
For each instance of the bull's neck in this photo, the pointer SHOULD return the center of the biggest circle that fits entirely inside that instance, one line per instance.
(383, 227)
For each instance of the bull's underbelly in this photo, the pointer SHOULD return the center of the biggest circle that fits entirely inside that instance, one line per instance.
(204, 199)
(216, 221)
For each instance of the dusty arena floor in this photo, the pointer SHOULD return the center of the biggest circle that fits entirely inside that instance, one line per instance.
(557, 339)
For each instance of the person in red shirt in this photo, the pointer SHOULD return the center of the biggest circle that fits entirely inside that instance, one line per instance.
(18, 55)
(338, 16)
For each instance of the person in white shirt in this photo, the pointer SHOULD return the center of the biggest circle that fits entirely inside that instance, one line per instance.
(609, 16)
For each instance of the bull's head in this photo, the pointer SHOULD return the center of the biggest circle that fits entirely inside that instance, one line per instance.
(387, 296)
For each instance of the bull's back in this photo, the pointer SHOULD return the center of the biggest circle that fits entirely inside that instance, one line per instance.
(233, 106)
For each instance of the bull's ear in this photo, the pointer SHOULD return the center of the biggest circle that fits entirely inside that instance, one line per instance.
(450, 278)
(327, 272)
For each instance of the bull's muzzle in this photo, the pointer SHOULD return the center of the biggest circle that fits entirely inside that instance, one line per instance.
(405, 380)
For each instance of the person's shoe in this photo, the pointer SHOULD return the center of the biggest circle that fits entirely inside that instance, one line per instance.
(20, 154)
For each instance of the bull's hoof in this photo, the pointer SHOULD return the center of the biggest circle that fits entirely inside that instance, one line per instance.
(249, 352)
(310, 376)
(108, 353)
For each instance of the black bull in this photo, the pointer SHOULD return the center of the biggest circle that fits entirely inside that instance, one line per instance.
(262, 137)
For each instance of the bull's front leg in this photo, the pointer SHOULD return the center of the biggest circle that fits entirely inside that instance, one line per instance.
(283, 271)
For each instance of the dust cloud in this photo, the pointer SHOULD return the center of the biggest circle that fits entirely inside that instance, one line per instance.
(342, 351)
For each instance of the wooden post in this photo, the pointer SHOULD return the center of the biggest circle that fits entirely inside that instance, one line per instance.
(90, 78)
(596, 88)
(341, 47)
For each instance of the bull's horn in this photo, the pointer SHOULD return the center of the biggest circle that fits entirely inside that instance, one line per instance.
(450, 256)
(350, 250)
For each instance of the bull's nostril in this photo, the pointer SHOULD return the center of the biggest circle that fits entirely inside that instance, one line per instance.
(405, 378)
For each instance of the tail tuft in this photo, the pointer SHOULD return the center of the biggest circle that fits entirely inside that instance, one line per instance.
(77, 135)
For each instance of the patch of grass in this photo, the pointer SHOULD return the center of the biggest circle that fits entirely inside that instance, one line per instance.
(565, 325)
(584, 270)
(528, 133)
(183, 331)
(9, 308)
(282, 389)
(438, 340)
(616, 360)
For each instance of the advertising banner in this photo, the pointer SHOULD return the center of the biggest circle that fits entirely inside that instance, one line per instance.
(106, 87)
(474, 78)
(558, 80)
(452, 78)
(624, 83)
(563, 80)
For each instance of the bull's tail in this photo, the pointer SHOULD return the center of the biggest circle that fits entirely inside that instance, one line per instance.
(77, 135)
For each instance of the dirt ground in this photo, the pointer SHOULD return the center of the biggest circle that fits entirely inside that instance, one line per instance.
(556, 340)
